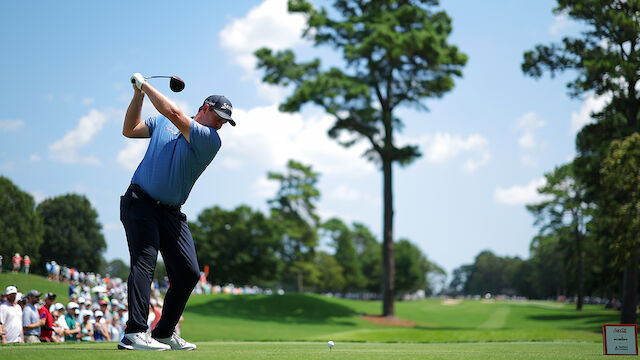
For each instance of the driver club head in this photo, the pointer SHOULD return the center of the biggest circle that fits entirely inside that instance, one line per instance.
(176, 84)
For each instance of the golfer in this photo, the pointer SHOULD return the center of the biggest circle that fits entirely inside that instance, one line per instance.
(180, 149)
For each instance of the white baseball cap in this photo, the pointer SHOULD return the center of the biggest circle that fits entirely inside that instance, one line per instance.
(98, 313)
(80, 300)
(11, 290)
(72, 305)
(59, 306)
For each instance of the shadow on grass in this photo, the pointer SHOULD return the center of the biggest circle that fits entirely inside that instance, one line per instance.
(576, 321)
(284, 308)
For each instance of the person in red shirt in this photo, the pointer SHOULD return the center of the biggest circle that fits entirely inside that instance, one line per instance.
(27, 264)
(17, 259)
(46, 331)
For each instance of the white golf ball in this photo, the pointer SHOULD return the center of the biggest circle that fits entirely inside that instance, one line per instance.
(330, 344)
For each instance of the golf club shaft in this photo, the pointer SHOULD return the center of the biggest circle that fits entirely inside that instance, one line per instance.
(157, 76)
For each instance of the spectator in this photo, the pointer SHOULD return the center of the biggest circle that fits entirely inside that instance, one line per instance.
(31, 321)
(123, 315)
(0, 263)
(104, 307)
(17, 259)
(21, 300)
(70, 320)
(86, 328)
(11, 318)
(46, 331)
(114, 328)
(100, 331)
(27, 264)
(57, 335)
(155, 312)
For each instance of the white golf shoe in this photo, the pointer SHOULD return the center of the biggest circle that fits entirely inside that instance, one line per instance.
(177, 343)
(141, 341)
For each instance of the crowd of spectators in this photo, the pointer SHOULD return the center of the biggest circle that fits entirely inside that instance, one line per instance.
(96, 310)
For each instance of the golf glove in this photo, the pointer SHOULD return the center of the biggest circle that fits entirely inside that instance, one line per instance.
(137, 79)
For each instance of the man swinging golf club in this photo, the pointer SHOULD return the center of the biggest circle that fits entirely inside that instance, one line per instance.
(180, 149)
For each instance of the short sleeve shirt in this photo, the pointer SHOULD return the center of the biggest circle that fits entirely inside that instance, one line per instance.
(11, 318)
(172, 164)
(30, 316)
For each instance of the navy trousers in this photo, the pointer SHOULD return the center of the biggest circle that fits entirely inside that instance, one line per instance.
(152, 227)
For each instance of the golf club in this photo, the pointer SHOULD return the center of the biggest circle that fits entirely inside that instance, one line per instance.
(176, 84)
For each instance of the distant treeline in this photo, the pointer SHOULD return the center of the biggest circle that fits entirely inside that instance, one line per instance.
(290, 247)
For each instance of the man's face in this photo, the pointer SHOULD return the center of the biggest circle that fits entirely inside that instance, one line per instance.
(11, 298)
(34, 300)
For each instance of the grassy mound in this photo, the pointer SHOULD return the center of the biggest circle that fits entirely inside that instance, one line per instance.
(26, 282)
(295, 317)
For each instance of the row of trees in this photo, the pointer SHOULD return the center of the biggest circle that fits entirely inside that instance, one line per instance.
(64, 229)
(589, 239)
(241, 246)
(245, 246)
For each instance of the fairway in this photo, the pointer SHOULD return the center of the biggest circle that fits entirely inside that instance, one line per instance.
(317, 350)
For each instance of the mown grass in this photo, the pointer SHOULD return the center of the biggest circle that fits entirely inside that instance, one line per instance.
(316, 350)
(314, 317)
(295, 326)
(26, 282)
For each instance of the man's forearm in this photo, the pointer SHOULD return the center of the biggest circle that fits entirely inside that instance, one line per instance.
(167, 108)
(132, 117)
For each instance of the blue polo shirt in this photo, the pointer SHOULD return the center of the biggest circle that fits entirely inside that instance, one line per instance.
(172, 164)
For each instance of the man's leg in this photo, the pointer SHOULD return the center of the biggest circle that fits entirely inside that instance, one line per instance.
(141, 227)
(179, 254)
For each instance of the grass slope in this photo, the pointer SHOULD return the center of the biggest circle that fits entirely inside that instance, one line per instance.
(26, 282)
(294, 317)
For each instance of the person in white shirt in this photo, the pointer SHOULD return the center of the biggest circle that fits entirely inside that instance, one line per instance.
(11, 318)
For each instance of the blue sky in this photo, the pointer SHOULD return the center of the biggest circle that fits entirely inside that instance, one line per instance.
(486, 145)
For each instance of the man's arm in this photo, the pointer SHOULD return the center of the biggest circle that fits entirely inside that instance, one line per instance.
(167, 108)
(133, 126)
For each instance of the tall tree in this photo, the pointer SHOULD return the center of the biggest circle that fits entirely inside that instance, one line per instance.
(411, 268)
(240, 245)
(565, 212)
(605, 59)
(20, 227)
(395, 53)
(621, 179)
(294, 210)
(346, 254)
(72, 233)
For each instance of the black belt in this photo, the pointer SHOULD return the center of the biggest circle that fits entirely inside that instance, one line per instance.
(139, 192)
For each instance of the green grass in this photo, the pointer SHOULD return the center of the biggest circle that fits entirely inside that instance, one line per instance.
(316, 350)
(26, 282)
(312, 317)
(298, 326)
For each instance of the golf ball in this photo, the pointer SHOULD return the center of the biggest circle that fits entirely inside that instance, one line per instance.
(330, 344)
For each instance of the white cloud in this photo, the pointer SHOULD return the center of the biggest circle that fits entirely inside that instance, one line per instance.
(66, 149)
(11, 125)
(440, 148)
(529, 123)
(231, 162)
(343, 192)
(38, 196)
(35, 158)
(591, 104)
(270, 138)
(520, 194)
(266, 25)
(112, 226)
(129, 157)
(561, 22)
(264, 188)
(88, 101)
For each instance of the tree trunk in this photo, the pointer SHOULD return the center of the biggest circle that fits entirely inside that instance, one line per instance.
(580, 301)
(630, 292)
(388, 269)
(299, 282)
